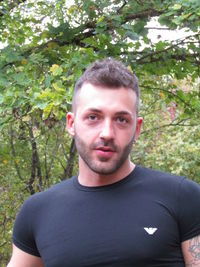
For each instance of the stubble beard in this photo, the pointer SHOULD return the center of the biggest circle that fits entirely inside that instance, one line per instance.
(102, 166)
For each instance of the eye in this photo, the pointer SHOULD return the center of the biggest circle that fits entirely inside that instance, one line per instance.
(92, 117)
(122, 120)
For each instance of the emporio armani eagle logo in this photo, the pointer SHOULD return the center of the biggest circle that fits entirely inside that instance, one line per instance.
(150, 230)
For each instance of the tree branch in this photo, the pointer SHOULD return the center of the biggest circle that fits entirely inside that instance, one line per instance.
(119, 11)
(48, 167)
(10, 6)
(182, 42)
(173, 94)
(179, 123)
(143, 14)
(88, 30)
(69, 168)
(14, 153)
(35, 166)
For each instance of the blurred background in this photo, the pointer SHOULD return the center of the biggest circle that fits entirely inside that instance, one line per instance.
(45, 45)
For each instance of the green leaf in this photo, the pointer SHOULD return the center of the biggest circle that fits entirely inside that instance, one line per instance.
(56, 70)
(48, 80)
(177, 7)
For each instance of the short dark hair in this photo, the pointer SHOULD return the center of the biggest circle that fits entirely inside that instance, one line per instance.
(108, 73)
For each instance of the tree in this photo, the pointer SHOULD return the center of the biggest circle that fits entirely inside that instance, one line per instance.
(45, 47)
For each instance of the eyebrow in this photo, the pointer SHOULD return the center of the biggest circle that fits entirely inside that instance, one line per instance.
(95, 110)
(123, 112)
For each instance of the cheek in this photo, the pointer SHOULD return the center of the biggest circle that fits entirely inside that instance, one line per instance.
(125, 136)
(84, 132)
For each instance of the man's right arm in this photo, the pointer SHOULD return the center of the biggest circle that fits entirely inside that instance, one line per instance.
(22, 259)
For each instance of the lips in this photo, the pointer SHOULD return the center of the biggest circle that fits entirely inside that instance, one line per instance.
(105, 152)
(106, 149)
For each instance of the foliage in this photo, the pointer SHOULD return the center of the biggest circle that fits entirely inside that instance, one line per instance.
(45, 46)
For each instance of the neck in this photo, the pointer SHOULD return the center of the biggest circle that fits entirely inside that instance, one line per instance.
(87, 177)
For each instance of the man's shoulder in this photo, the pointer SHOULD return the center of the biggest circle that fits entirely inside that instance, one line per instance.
(159, 178)
(60, 187)
(153, 173)
(52, 194)
(165, 181)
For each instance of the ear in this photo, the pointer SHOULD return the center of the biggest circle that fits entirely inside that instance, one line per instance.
(70, 123)
(138, 127)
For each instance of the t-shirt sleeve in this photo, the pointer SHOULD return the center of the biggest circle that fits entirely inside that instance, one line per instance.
(23, 232)
(189, 209)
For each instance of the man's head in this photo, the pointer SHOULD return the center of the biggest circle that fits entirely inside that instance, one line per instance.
(104, 121)
(108, 73)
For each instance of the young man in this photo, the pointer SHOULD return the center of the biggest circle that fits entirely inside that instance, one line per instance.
(113, 213)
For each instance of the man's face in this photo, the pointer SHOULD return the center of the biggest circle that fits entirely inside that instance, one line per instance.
(104, 127)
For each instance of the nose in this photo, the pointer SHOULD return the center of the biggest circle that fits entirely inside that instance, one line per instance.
(107, 130)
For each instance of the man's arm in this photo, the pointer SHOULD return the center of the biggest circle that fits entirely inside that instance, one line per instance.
(191, 252)
(22, 259)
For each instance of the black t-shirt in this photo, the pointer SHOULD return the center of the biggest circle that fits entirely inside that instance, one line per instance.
(138, 221)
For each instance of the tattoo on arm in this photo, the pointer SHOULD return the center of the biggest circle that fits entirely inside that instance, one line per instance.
(194, 250)
(194, 247)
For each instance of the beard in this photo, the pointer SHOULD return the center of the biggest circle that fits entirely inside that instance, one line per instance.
(100, 165)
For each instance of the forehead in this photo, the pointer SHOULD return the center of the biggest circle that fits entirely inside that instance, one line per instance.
(104, 98)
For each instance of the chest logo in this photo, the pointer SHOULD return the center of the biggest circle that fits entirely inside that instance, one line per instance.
(150, 230)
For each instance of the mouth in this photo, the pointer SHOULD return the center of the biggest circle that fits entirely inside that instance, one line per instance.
(105, 149)
(105, 152)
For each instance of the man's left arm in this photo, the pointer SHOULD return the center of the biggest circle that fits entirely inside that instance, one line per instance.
(191, 252)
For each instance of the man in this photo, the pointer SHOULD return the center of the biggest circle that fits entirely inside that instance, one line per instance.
(113, 213)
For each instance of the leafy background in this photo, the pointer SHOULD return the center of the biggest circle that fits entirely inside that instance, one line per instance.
(45, 46)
